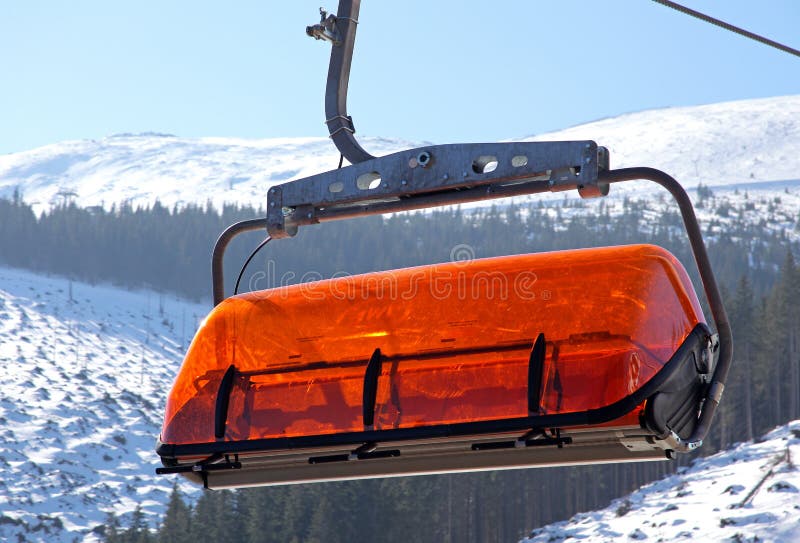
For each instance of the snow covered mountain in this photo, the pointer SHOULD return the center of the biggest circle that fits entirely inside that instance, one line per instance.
(143, 168)
(751, 144)
(747, 494)
(730, 143)
(85, 375)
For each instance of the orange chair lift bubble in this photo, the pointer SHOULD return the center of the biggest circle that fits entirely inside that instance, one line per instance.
(571, 357)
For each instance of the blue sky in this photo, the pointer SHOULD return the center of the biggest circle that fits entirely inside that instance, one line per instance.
(440, 71)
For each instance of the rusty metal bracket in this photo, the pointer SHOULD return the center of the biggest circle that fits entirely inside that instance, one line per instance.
(435, 176)
(326, 29)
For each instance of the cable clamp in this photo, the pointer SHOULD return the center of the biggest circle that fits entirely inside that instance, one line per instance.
(340, 129)
(326, 28)
(345, 120)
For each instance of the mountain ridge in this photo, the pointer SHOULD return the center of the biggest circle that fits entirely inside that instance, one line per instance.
(730, 142)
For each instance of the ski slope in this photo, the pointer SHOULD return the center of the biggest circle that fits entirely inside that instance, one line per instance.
(86, 372)
(749, 493)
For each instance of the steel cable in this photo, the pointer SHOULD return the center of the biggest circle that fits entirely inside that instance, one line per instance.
(729, 27)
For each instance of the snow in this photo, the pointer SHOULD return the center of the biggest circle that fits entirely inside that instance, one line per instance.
(750, 141)
(140, 169)
(748, 493)
(86, 371)
(717, 144)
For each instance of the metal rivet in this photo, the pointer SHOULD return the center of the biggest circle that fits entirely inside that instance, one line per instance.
(445, 177)
(404, 182)
(310, 215)
(272, 204)
(464, 174)
(588, 160)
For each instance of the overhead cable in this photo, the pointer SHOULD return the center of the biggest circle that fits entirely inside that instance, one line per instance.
(729, 27)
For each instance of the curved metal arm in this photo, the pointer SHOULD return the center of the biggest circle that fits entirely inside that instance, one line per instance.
(218, 256)
(709, 286)
(340, 125)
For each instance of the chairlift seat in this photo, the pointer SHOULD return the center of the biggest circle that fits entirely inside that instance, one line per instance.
(580, 356)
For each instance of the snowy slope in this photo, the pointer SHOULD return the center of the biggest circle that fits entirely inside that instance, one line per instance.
(749, 493)
(141, 169)
(717, 144)
(85, 374)
(749, 141)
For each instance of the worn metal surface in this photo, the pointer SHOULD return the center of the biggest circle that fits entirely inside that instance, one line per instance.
(434, 176)
(218, 255)
(340, 125)
(451, 455)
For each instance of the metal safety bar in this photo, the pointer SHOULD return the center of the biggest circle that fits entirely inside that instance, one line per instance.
(218, 255)
(725, 354)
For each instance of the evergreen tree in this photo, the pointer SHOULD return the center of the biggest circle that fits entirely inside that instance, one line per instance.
(138, 531)
(111, 528)
(177, 520)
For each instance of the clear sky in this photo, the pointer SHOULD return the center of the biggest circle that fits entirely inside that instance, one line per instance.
(440, 71)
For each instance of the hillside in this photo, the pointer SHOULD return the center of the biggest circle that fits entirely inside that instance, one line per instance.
(85, 371)
(749, 493)
(720, 145)
(750, 144)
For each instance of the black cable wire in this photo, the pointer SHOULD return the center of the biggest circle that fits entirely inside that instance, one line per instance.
(252, 255)
(727, 26)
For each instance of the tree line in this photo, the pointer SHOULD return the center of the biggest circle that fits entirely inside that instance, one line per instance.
(169, 249)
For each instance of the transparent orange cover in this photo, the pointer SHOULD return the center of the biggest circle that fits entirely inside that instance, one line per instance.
(455, 340)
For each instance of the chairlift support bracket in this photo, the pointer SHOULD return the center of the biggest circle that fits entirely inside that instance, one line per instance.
(216, 462)
(435, 176)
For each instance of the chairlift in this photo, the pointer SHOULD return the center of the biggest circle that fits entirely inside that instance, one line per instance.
(571, 357)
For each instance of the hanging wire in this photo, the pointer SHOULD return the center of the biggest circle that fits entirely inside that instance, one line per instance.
(252, 255)
(729, 27)
(341, 160)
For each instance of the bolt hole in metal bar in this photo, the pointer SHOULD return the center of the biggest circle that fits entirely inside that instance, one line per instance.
(485, 164)
(367, 181)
